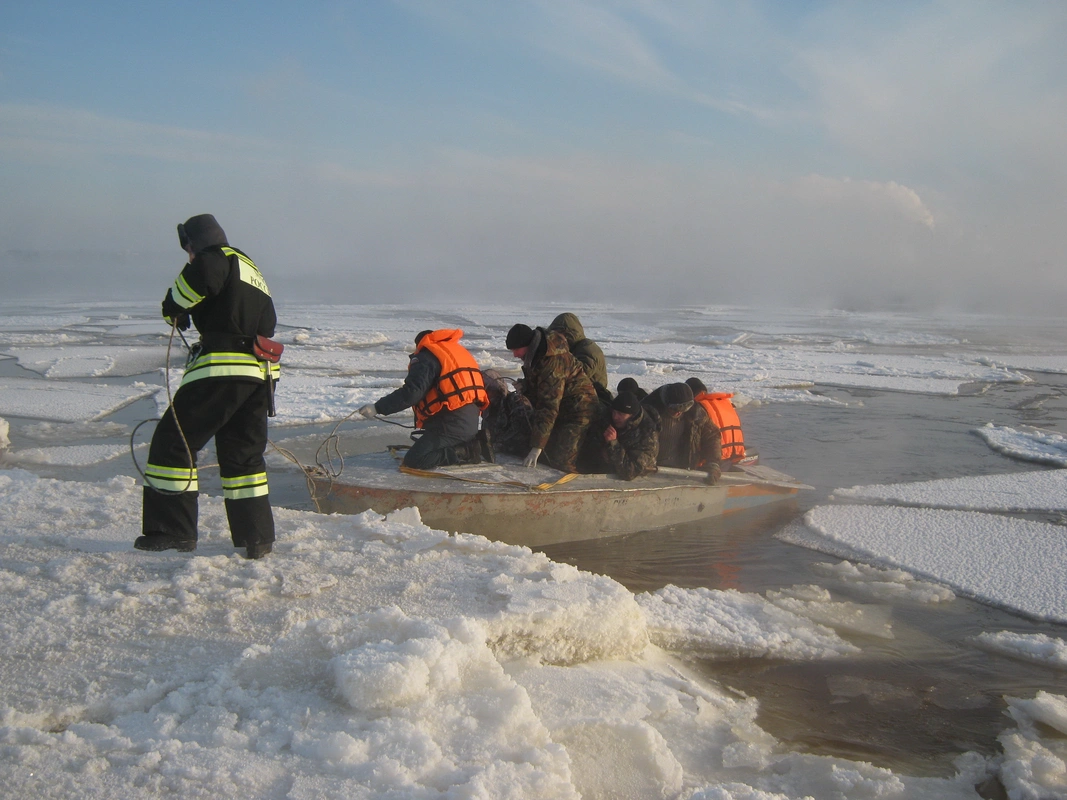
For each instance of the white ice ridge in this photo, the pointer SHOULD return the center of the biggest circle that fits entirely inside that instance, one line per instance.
(1043, 490)
(366, 657)
(1017, 564)
(1035, 763)
(1029, 444)
(1037, 647)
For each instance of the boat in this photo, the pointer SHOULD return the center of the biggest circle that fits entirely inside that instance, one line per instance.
(539, 506)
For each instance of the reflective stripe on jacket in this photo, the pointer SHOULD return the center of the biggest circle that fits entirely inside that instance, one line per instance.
(230, 304)
(724, 415)
(460, 382)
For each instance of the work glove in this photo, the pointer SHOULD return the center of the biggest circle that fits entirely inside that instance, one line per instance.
(170, 308)
(368, 411)
(182, 324)
(714, 473)
(531, 457)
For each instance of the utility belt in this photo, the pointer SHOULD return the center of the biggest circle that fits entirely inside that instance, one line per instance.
(225, 343)
(238, 356)
(260, 346)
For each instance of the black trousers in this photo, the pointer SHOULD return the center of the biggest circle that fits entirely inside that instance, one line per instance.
(234, 412)
(436, 446)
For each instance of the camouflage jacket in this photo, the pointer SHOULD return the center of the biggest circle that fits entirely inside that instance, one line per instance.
(556, 386)
(700, 443)
(634, 451)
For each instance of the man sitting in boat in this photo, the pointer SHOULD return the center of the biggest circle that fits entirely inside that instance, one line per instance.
(688, 439)
(445, 390)
(724, 415)
(507, 421)
(624, 439)
(630, 385)
(563, 398)
(588, 352)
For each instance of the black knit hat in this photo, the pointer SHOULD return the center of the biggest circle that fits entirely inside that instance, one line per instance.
(677, 396)
(627, 403)
(519, 336)
(627, 385)
(697, 386)
(420, 334)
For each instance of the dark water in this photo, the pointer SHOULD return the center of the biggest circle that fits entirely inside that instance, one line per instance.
(912, 703)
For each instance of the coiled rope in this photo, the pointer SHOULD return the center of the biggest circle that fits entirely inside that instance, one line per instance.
(329, 449)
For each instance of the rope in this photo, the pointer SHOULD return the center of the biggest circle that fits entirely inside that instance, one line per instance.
(177, 423)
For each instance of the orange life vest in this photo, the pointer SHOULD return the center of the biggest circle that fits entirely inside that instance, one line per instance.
(724, 415)
(461, 379)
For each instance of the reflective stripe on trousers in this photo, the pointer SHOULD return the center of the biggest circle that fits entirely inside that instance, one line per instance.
(244, 486)
(171, 479)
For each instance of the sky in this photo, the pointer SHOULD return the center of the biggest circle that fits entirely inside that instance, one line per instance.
(828, 154)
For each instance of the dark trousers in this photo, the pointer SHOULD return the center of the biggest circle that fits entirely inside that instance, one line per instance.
(436, 445)
(432, 449)
(235, 413)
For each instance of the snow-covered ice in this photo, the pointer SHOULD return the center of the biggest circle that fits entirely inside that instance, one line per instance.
(370, 657)
(66, 402)
(375, 657)
(1018, 564)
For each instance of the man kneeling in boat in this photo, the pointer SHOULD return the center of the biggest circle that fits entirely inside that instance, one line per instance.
(688, 439)
(444, 388)
(624, 439)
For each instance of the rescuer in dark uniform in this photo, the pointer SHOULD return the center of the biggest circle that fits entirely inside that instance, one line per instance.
(226, 393)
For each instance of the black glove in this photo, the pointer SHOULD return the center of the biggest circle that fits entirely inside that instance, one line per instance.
(182, 322)
(171, 309)
(714, 473)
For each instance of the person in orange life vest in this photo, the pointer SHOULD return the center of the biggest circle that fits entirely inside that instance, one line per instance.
(444, 388)
(724, 415)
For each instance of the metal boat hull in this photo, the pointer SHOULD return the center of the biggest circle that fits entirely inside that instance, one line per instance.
(480, 500)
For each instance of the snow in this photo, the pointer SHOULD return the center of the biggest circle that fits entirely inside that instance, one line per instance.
(373, 656)
(1036, 647)
(1020, 491)
(370, 656)
(1043, 447)
(1000, 560)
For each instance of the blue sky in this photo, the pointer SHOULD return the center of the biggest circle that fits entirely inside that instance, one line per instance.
(839, 154)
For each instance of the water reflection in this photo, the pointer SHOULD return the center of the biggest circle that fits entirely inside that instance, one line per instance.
(910, 703)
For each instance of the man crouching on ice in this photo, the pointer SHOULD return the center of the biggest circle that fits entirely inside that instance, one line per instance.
(444, 388)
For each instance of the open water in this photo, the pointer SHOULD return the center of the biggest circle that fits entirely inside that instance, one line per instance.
(912, 703)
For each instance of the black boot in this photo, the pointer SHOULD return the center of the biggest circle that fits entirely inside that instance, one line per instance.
(258, 549)
(468, 452)
(159, 542)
